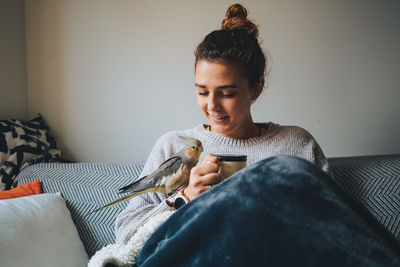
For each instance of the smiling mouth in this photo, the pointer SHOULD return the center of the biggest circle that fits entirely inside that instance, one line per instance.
(218, 118)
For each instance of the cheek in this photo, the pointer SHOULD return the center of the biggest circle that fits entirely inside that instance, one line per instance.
(190, 152)
(201, 103)
(240, 107)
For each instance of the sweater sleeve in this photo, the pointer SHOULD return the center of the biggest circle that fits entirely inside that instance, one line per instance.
(144, 206)
(320, 159)
(310, 148)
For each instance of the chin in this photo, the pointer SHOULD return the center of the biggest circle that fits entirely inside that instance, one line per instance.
(220, 129)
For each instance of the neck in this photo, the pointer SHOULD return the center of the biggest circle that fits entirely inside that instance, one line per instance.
(252, 130)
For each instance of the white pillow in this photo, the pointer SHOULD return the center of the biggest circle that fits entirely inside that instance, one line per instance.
(38, 231)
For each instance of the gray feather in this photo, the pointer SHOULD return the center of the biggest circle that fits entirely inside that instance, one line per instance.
(168, 167)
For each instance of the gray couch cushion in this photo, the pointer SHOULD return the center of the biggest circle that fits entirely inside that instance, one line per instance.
(86, 187)
(375, 182)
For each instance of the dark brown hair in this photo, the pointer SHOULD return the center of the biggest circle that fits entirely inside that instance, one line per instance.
(237, 43)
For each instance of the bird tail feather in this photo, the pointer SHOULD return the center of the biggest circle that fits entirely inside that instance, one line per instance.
(151, 189)
(120, 200)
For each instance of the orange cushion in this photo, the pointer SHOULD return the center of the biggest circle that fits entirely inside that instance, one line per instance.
(32, 188)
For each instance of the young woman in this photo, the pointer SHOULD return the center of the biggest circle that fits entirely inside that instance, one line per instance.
(229, 71)
(226, 224)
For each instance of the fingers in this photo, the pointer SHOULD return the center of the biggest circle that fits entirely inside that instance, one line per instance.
(202, 176)
(207, 172)
(205, 180)
(205, 168)
(194, 190)
(210, 158)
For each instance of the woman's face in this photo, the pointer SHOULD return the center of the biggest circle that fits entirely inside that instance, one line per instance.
(224, 97)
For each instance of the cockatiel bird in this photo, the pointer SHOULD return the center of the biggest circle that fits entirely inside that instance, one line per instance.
(171, 174)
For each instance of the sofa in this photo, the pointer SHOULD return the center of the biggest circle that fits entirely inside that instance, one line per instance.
(372, 180)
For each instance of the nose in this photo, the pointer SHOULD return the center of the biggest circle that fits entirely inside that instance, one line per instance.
(213, 103)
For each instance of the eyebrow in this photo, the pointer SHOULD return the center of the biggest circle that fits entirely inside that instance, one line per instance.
(226, 86)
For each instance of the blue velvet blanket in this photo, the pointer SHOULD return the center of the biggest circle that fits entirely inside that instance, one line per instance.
(282, 211)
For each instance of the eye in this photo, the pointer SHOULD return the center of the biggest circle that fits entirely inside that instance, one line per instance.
(193, 147)
(203, 93)
(229, 95)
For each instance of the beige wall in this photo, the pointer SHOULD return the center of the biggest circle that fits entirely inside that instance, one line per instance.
(13, 93)
(112, 76)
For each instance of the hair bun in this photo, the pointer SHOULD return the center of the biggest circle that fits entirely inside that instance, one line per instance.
(236, 18)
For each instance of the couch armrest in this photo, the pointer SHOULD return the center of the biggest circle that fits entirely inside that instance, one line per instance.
(375, 182)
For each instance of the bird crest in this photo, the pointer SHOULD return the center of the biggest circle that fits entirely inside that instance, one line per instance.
(190, 141)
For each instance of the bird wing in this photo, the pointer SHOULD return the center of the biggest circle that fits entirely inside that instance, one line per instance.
(168, 167)
(154, 182)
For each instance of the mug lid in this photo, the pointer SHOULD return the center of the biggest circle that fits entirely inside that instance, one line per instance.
(231, 157)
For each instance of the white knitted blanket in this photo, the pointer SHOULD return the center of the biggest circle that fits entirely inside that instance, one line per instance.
(125, 255)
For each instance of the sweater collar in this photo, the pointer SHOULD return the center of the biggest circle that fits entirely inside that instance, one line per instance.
(219, 139)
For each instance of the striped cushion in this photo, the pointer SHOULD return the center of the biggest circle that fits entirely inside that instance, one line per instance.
(375, 182)
(86, 186)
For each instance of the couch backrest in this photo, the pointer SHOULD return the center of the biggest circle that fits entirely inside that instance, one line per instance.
(374, 181)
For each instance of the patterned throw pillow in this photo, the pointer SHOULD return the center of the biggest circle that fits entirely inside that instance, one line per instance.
(22, 144)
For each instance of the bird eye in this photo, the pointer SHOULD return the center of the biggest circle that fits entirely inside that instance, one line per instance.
(194, 147)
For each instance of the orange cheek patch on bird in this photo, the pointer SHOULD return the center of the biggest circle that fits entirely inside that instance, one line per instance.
(190, 152)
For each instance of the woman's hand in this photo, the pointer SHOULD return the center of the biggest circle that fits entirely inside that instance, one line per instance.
(202, 177)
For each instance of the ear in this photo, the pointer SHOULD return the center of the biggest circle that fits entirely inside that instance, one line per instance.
(258, 88)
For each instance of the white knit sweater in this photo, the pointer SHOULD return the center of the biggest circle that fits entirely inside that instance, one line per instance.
(275, 140)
